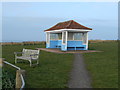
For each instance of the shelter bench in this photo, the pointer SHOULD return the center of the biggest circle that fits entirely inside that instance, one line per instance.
(28, 54)
(58, 46)
(75, 48)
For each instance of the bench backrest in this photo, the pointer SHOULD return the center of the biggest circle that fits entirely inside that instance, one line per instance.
(28, 52)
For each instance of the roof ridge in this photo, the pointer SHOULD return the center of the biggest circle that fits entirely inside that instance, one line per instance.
(70, 21)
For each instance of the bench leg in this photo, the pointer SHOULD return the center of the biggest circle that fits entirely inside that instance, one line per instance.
(37, 61)
(30, 63)
(15, 60)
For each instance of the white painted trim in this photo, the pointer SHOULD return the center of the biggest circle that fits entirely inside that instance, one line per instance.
(12, 65)
(73, 30)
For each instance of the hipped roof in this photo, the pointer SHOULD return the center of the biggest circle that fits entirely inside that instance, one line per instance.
(71, 24)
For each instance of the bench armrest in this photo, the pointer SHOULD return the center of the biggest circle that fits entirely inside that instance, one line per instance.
(18, 52)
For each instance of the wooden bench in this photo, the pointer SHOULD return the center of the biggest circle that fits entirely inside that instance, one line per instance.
(28, 54)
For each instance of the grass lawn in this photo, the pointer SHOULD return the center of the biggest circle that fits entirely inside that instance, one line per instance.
(103, 66)
(52, 72)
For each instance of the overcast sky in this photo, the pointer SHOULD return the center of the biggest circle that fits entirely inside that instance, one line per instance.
(27, 21)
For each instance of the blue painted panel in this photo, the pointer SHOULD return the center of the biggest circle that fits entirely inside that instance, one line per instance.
(74, 43)
(59, 42)
(53, 43)
(71, 45)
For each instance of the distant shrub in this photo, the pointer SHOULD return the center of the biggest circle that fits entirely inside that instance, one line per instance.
(97, 41)
(24, 43)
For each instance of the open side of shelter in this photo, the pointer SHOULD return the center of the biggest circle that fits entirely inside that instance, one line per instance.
(68, 35)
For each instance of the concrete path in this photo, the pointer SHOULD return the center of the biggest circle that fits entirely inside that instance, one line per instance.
(79, 75)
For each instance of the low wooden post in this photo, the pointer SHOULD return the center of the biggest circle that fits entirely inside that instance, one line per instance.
(18, 78)
(1, 62)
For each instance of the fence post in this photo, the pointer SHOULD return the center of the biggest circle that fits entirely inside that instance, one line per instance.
(18, 78)
(1, 62)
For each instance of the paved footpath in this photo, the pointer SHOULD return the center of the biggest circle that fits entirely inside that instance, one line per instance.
(79, 75)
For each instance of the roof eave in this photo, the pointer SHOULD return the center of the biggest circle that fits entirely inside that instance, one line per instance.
(79, 30)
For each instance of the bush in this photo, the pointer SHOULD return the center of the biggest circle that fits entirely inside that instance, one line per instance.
(8, 79)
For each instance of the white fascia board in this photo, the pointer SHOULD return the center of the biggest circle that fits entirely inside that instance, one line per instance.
(73, 30)
(55, 30)
(78, 30)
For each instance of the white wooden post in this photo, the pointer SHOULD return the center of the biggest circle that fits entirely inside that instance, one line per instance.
(66, 37)
(62, 37)
(48, 38)
(66, 34)
(64, 40)
(86, 40)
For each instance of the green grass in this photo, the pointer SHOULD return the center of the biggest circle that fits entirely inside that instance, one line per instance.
(0, 68)
(0, 78)
(103, 66)
(52, 72)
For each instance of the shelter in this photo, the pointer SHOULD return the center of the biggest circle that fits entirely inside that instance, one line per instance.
(68, 35)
